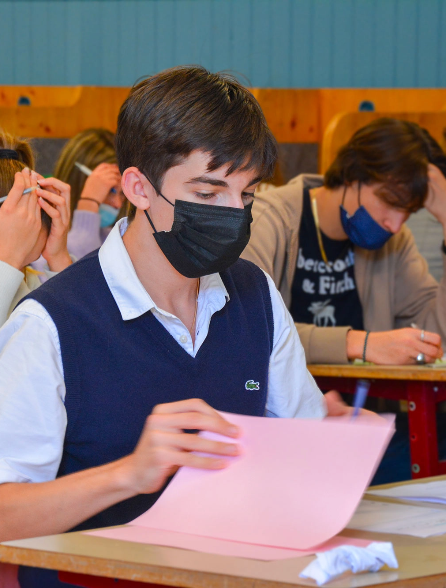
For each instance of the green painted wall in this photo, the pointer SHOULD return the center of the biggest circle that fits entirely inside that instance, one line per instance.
(274, 43)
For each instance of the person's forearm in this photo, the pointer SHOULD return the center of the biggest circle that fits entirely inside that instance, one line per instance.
(47, 508)
(355, 344)
(59, 262)
(91, 205)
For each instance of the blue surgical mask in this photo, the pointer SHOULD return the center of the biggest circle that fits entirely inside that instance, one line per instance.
(362, 230)
(108, 215)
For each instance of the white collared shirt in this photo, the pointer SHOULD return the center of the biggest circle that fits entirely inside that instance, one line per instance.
(32, 388)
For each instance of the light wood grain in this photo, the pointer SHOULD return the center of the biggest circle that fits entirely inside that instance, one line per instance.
(419, 373)
(422, 562)
(294, 115)
(332, 101)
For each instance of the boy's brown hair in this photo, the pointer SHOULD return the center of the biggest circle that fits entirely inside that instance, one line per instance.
(393, 153)
(168, 116)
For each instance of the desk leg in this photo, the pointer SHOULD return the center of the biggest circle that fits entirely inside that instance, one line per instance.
(88, 581)
(422, 429)
(8, 576)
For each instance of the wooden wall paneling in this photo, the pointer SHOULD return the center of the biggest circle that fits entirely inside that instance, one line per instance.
(85, 107)
(43, 96)
(292, 115)
(334, 101)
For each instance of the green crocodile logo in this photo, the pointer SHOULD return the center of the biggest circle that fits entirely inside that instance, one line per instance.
(251, 385)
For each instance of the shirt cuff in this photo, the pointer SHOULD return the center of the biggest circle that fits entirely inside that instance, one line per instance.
(10, 280)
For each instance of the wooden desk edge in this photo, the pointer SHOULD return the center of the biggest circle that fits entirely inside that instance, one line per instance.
(420, 373)
(177, 577)
(102, 567)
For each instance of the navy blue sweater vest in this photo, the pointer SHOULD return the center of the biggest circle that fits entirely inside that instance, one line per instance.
(116, 371)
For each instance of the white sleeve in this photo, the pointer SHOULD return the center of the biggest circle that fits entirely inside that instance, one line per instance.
(292, 391)
(32, 392)
(10, 280)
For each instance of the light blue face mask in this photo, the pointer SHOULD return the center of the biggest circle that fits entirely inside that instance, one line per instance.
(108, 215)
(361, 228)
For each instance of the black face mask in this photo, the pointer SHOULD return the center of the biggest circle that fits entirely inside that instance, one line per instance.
(204, 239)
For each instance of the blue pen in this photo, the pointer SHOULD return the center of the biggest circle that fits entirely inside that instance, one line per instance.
(361, 391)
(87, 171)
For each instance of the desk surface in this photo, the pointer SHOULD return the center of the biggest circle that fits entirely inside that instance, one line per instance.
(381, 372)
(423, 561)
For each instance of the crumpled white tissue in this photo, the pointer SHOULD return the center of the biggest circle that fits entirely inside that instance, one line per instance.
(330, 564)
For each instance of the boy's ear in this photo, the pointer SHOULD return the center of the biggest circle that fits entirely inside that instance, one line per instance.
(137, 188)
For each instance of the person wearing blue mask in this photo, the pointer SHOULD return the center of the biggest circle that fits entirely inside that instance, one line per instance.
(341, 256)
(88, 164)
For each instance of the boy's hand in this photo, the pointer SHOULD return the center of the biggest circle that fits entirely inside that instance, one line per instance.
(396, 347)
(336, 407)
(164, 446)
(20, 221)
(54, 198)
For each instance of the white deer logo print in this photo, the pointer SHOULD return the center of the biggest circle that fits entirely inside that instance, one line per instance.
(323, 313)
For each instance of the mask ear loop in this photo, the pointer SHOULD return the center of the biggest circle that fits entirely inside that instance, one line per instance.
(159, 194)
(150, 221)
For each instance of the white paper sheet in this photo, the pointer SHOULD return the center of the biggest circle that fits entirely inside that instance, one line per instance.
(423, 492)
(401, 519)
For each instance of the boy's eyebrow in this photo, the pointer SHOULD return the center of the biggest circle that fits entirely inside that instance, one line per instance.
(206, 180)
(215, 182)
(255, 180)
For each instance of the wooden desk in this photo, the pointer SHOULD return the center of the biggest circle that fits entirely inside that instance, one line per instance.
(423, 387)
(422, 563)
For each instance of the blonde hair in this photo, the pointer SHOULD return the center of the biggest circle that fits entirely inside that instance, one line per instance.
(90, 147)
(9, 167)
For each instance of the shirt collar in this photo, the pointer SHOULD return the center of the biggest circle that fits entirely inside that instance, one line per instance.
(130, 295)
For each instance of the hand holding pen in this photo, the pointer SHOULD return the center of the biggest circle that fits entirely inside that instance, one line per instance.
(24, 236)
(102, 181)
(361, 391)
(20, 221)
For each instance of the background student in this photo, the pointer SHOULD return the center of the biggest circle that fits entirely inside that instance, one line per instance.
(31, 224)
(96, 199)
(339, 252)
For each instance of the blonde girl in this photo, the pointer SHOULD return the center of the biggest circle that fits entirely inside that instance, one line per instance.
(34, 221)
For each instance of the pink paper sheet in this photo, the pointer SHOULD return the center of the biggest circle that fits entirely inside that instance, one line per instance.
(296, 486)
(218, 546)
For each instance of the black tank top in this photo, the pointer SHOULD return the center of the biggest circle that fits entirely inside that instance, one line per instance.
(324, 294)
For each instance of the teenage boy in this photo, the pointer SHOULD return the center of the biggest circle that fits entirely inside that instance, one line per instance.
(104, 368)
(342, 257)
